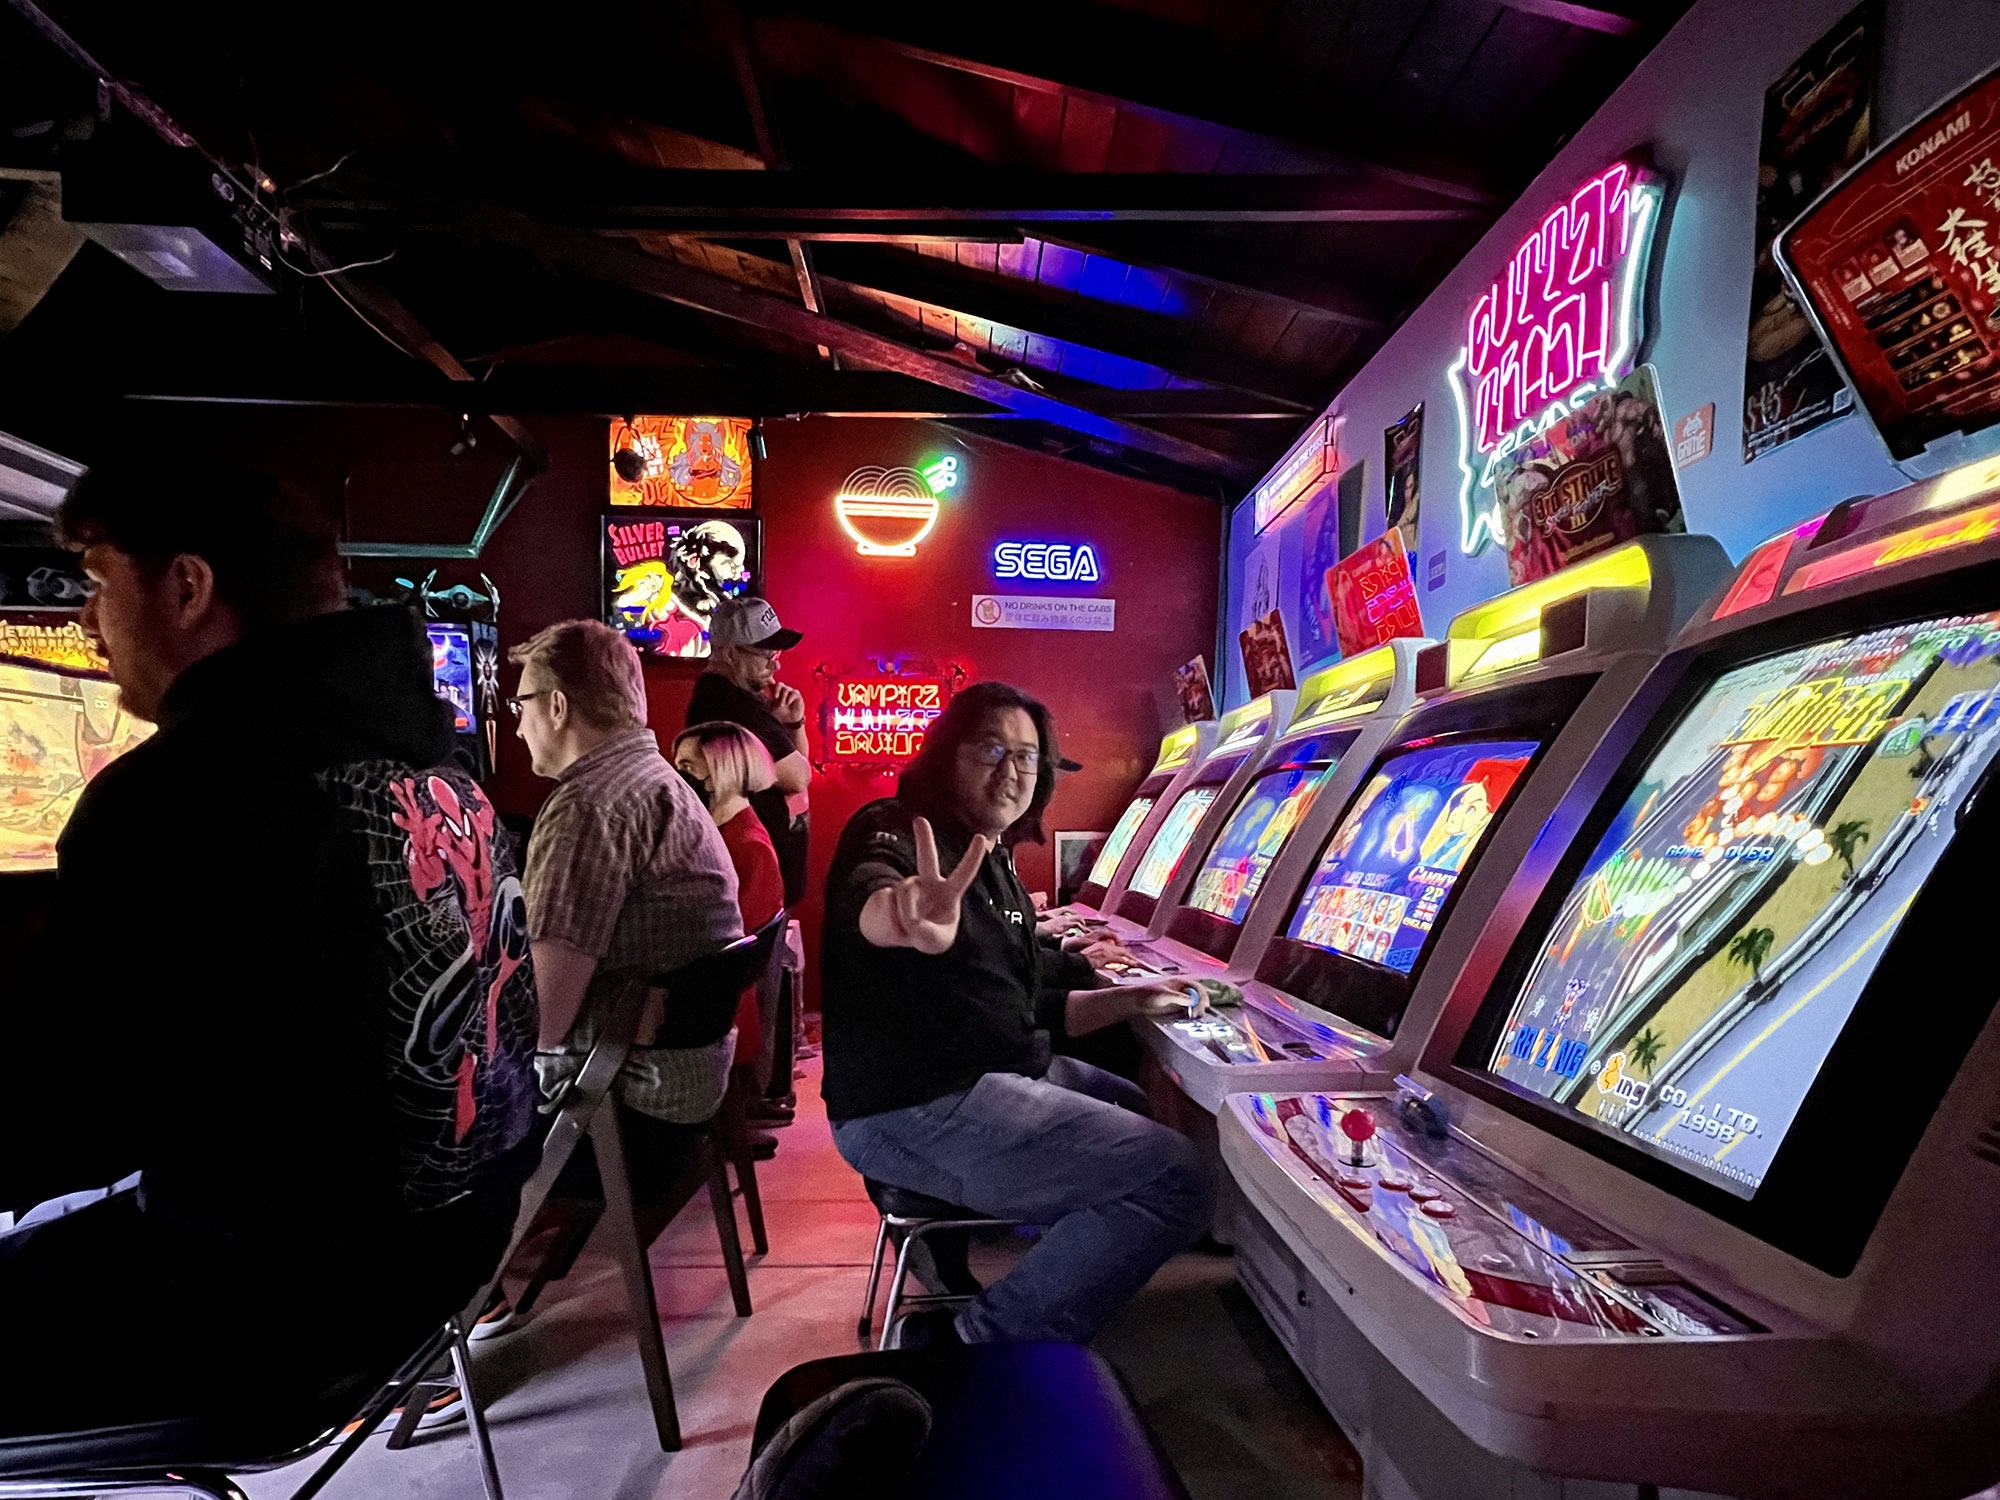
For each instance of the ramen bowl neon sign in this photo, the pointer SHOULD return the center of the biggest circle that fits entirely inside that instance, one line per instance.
(1559, 324)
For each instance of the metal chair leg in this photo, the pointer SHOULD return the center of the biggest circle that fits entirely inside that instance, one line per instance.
(874, 1280)
(896, 1286)
(399, 1388)
(631, 1253)
(475, 1412)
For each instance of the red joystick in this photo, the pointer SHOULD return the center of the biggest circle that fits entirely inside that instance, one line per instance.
(1359, 1127)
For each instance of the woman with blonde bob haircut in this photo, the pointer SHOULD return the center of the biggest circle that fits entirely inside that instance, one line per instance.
(727, 765)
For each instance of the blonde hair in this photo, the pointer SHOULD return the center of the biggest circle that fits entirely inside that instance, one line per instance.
(596, 668)
(738, 763)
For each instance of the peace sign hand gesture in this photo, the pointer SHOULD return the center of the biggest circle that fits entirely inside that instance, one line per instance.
(921, 910)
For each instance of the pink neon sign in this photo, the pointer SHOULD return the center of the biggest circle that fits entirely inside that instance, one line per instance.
(1557, 323)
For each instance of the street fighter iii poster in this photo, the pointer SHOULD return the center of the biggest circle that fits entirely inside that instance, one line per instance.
(664, 575)
(1602, 475)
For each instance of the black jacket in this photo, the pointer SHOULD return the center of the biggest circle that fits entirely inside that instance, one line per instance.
(286, 977)
(903, 1028)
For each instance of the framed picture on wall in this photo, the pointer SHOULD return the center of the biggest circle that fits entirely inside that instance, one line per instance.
(666, 571)
(1075, 853)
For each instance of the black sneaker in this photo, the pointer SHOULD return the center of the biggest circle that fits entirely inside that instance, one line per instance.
(931, 1328)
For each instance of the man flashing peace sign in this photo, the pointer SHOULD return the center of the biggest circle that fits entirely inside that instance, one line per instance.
(940, 1075)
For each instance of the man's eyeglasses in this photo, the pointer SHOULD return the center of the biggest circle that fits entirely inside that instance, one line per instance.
(515, 700)
(990, 753)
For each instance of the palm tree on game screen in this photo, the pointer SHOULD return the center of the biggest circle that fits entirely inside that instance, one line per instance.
(1644, 1053)
(1846, 839)
(1749, 948)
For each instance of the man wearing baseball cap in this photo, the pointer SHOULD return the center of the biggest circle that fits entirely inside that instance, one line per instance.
(740, 686)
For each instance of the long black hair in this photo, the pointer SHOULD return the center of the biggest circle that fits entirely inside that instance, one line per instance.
(925, 785)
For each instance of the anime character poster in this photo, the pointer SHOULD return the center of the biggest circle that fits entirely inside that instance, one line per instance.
(664, 575)
(1197, 701)
(1374, 597)
(1318, 639)
(687, 463)
(1267, 659)
(1403, 445)
(1602, 475)
(1816, 127)
(1259, 594)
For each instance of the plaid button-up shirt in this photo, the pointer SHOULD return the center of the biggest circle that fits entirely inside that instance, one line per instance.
(626, 864)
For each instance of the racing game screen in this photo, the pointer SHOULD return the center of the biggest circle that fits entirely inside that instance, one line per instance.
(451, 672)
(1163, 855)
(1120, 840)
(56, 732)
(1250, 842)
(1716, 942)
(1402, 846)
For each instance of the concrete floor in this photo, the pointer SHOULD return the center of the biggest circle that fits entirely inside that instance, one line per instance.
(569, 1413)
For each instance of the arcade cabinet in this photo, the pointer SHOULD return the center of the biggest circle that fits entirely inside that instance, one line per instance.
(1243, 737)
(1506, 706)
(1181, 754)
(1264, 841)
(1696, 1181)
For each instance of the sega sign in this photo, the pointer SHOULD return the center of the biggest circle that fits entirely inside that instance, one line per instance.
(1055, 562)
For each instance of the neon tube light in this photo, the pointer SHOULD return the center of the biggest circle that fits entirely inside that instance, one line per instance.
(1561, 323)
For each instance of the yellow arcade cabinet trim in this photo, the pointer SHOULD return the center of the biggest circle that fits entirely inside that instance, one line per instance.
(1506, 631)
(1351, 687)
(1177, 749)
(1242, 724)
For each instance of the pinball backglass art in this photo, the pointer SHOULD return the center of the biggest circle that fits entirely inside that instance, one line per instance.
(57, 730)
(665, 575)
(687, 463)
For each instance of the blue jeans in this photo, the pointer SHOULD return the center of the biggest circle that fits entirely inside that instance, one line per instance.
(1119, 1192)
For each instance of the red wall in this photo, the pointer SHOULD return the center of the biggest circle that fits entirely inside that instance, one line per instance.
(1112, 694)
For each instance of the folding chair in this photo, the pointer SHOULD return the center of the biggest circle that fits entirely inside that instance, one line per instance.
(701, 998)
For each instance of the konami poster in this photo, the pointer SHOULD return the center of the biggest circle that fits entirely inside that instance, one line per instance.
(1197, 700)
(1374, 596)
(1267, 659)
(1816, 127)
(1403, 489)
(664, 575)
(1602, 475)
(1320, 527)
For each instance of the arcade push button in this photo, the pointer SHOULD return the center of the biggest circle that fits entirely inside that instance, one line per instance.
(1424, 1194)
(1439, 1208)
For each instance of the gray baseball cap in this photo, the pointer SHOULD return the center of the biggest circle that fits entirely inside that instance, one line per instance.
(749, 621)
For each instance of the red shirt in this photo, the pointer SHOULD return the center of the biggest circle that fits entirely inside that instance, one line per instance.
(760, 894)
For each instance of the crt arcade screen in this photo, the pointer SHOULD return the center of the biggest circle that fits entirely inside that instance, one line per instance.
(1113, 852)
(1163, 855)
(1233, 871)
(1718, 938)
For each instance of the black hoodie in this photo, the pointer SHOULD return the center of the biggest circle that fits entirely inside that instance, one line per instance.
(286, 976)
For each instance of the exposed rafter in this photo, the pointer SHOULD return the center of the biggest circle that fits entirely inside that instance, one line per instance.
(1101, 70)
(1142, 336)
(1216, 266)
(640, 272)
(1590, 17)
(722, 204)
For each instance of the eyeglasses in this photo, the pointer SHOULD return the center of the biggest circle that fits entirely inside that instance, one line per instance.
(991, 753)
(515, 700)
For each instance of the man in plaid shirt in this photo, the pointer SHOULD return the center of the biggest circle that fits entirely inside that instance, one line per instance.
(625, 871)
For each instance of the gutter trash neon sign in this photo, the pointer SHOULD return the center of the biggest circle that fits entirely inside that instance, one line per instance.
(879, 719)
(1058, 562)
(888, 511)
(1558, 325)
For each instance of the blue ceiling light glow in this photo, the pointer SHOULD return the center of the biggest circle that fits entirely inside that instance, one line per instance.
(1046, 562)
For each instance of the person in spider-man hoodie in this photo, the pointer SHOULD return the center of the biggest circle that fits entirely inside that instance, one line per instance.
(285, 1003)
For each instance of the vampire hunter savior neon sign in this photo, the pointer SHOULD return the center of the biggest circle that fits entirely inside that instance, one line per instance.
(876, 719)
(1560, 323)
